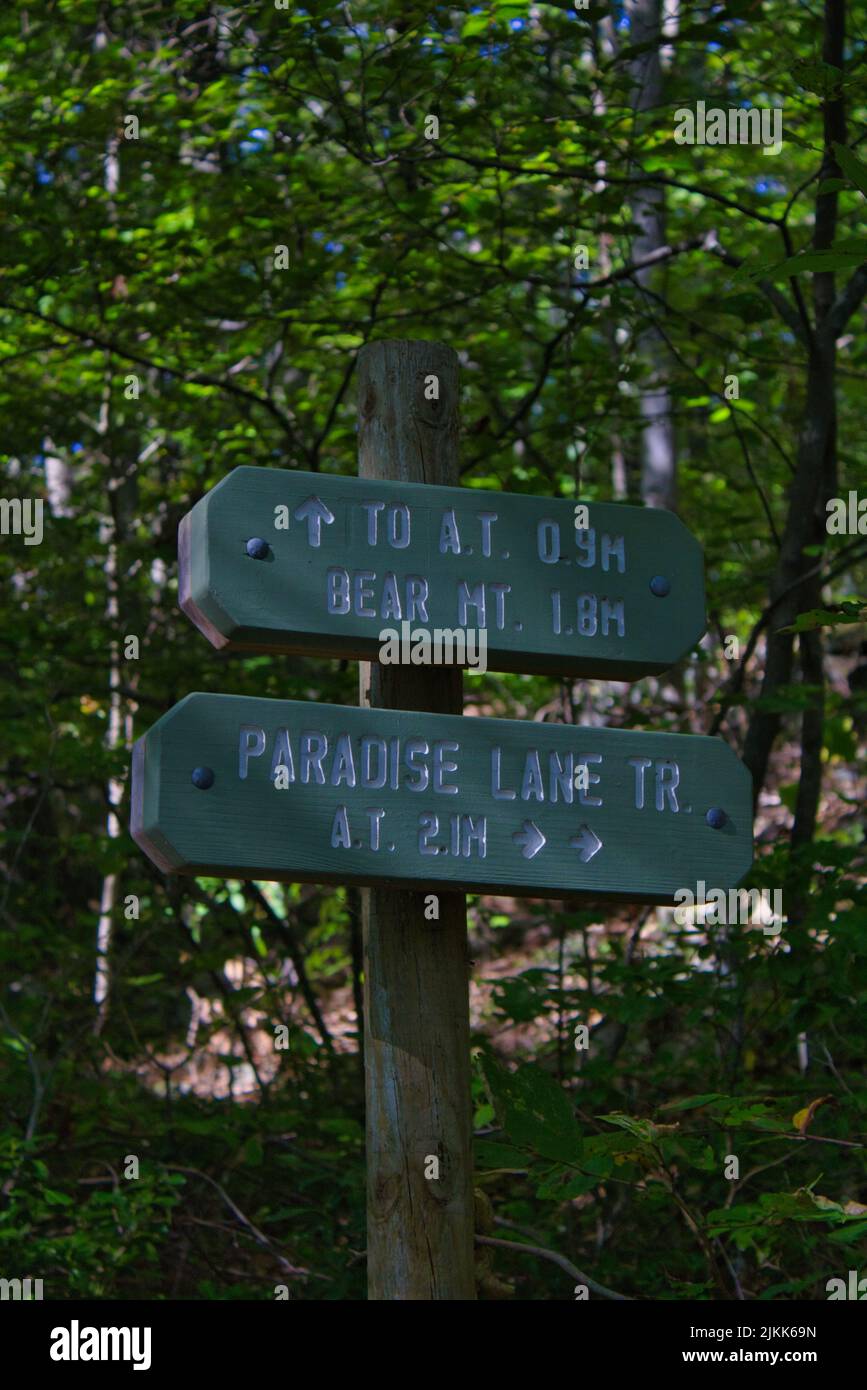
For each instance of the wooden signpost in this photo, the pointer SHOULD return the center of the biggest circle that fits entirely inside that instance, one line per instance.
(404, 795)
(272, 560)
(237, 787)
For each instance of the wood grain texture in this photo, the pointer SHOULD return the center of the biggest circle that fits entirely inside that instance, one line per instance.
(420, 1232)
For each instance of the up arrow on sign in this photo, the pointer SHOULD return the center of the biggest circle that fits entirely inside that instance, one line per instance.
(276, 560)
(314, 513)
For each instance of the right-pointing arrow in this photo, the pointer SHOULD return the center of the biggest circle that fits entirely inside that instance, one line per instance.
(530, 838)
(587, 843)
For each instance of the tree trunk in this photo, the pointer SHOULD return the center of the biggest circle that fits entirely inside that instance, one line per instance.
(658, 459)
(420, 1215)
(814, 482)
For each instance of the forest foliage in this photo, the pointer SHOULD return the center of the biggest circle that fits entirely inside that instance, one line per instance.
(187, 291)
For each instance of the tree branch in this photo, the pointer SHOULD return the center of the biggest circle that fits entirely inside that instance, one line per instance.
(194, 378)
(846, 303)
(557, 1260)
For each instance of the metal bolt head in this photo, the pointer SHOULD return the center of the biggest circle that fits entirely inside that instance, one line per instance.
(716, 818)
(257, 549)
(660, 586)
(203, 778)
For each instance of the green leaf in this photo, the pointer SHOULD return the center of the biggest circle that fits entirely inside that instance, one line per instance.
(788, 793)
(254, 1151)
(490, 1154)
(849, 1233)
(476, 24)
(849, 611)
(523, 998)
(839, 738)
(817, 261)
(694, 1102)
(533, 1109)
(854, 168)
(56, 1199)
(259, 941)
(562, 1184)
(181, 220)
(821, 78)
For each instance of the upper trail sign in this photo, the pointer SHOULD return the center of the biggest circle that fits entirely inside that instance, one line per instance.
(279, 789)
(277, 560)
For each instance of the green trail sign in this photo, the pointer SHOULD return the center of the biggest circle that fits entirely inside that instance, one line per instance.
(276, 560)
(279, 789)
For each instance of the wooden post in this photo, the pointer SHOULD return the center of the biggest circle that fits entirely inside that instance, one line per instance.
(416, 993)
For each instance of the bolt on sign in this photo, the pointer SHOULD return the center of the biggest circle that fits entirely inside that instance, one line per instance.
(277, 560)
(240, 787)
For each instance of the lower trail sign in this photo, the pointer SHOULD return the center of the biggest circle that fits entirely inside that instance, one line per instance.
(277, 789)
